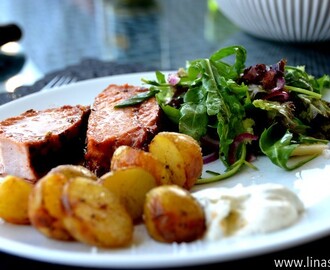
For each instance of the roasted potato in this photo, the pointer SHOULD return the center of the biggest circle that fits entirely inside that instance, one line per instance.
(191, 153)
(181, 154)
(166, 151)
(126, 156)
(70, 171)
(131, 185)
(45, 208)
(94, 215)
(14, 196)
(172, 214)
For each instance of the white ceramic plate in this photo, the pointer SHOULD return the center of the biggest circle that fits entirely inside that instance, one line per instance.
(311, 183)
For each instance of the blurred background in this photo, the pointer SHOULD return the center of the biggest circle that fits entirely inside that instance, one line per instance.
(94, 38)
(56, 34)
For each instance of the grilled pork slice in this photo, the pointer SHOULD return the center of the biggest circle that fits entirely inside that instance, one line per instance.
(36, 141)
(110, 127)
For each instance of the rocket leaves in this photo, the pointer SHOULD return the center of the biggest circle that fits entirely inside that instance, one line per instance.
(225, 105)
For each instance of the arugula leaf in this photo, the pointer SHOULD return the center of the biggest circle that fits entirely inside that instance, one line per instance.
(219, 101)
(298, 77)
(279, 147)
(172, 113)
(322, 83)
(215, 96)
(137, 99)
(218, 97)
(214, 101)
(226, 70)
(298, 80)
(160, 77)
(193, 120)
(230, 121)
(230, 171)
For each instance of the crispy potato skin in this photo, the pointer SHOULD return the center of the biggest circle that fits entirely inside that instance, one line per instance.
(192, 156)
(182, 155)
(70, 171)
(131, 185)
(166, 151)
(45, 208)
(94, 215)
(127, 156)
(172, 214)
(72, 203)
(14, 196)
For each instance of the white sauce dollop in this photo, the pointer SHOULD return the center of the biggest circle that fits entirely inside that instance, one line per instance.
(248, 210)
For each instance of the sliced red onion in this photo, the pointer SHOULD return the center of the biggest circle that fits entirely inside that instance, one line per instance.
(173, 79)
(210, 157)
(210, 142)
(243, 137)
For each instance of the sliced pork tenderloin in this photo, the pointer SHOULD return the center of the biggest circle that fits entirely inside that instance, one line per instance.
(35, 141)
(110, 127)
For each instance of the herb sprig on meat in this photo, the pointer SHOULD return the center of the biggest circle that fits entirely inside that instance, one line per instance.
(238, 112)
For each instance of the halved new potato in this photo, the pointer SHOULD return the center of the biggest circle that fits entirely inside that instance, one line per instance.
(172, 214)
(45, 208)
(131, 185)
(181, 154)
(191, 153)
(166, 151)
(14, 196)
(127, 156)
(94, 215)
(71, 171)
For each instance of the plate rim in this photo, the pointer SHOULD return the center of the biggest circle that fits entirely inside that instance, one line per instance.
(168, 260)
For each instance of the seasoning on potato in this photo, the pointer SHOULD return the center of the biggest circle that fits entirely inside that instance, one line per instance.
(45, 209)
(14, 194)
(126, 156)
(70, 170)
(181, 154)
(94, 215)
(131, 185)
(172, 214)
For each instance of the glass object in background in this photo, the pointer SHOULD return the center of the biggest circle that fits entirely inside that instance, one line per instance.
(11, 57)
(124, 26)
(218, 28)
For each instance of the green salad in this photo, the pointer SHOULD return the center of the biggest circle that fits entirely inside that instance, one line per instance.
(238, 113)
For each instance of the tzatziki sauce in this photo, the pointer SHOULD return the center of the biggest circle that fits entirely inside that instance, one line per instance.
(247, 210)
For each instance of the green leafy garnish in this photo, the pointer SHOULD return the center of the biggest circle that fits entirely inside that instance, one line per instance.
(279, 147)
(137, 99)
(271, 110)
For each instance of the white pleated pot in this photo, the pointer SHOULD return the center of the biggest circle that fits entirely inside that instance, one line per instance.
(280, 20)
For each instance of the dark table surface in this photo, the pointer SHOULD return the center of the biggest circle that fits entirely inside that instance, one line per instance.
(89, 39)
